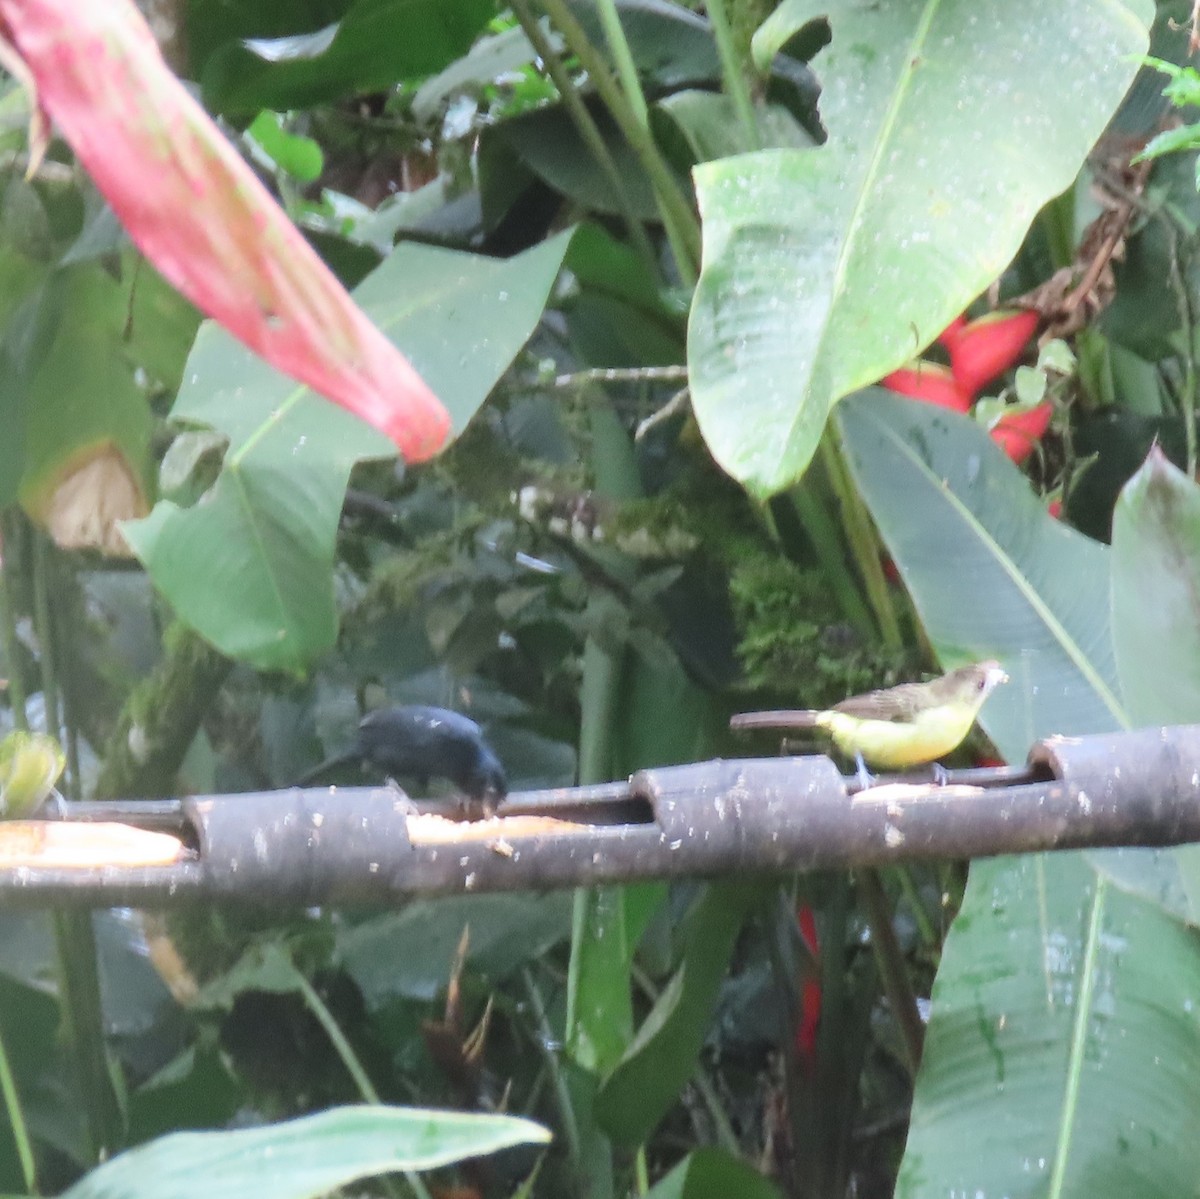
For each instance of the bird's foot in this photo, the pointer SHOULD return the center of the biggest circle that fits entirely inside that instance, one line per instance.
(477, 807)
(53, 807)
(941, 776)
(864, 776)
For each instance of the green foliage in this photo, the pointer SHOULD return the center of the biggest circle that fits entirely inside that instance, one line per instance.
(793, 642)
(591, 586)
(1183, 90)
(306, 1157)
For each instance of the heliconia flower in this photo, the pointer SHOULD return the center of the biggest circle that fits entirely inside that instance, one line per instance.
(1018, 431)
(930, 382)
(202, 217)
(984, 348)
(949, 335)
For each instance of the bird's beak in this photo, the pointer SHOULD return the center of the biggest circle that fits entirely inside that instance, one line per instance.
(995, 676)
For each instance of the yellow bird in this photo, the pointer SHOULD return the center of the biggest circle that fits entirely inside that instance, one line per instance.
(897, 727)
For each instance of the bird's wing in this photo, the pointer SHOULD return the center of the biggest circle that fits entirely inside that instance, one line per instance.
(893, 703)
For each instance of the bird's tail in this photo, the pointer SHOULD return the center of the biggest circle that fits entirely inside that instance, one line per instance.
(786, 718)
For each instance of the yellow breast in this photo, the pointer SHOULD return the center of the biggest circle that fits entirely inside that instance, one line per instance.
(896, 744)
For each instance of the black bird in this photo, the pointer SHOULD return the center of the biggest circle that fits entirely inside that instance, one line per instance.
(419, 742)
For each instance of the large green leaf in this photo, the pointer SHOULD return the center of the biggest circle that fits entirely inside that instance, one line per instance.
(1156, 631)
(250, 565)
(990, 572)
(1055, 988)
(950, 124)
(1156, 593)
(1063, 1055)
(306, 1157)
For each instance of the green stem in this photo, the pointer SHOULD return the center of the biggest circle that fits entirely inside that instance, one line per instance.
(863, 542)
(337, 1038)
(10, 530)
(736, 86)
(909, 889)
(562, 1094)
(679, 220)
(354, 1067)
(74, 934)
(1188, 397)
(641, 1172)
(892, 969)
(16, 1121)
(589, 131)
(833, 1105)
(44, 624)
(618, 47)
(823, 533)
(83, 1015)
(599, 694)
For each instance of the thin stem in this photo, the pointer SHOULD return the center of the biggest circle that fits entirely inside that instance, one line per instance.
(10, 529)
(562, 1094)
(860, 534)
(618, 47)
(44, 624)
(1188, 398)
(354, 1067)
(589, 131)
(920, 915)
(600, 694)
(835, 1082)
(679, 220)
(74, 933)
(337, 1038)
(82, 1016)
(641, 1171)
(16, 1121)
(892, 970)
(622, 374)
(823, 533)
(736, 86)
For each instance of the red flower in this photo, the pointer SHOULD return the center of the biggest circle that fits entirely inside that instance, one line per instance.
(198, 212)
(986, 347)
(1017, 432)
(929, 382)
(951, 333)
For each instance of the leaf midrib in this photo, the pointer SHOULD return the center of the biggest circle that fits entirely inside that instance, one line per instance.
(890, 117)
(1027, 592)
